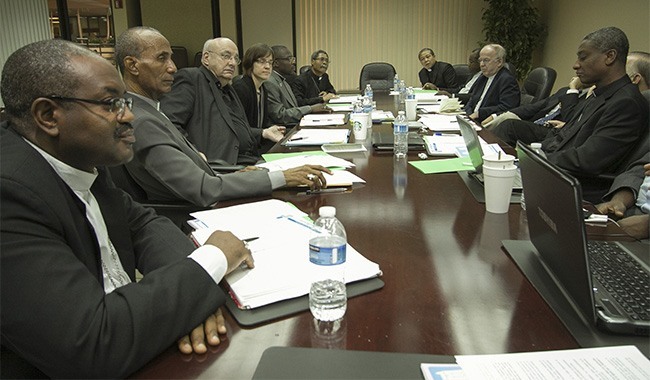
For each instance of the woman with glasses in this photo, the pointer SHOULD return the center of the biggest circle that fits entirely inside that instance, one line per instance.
(258, 66)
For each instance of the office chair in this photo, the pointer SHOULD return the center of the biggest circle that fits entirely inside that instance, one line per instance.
(380, 75)
(510, 68)
(179, 56)
(462, 73)
(537, 85)
(178, 213)
(303, 69)
(197, 58)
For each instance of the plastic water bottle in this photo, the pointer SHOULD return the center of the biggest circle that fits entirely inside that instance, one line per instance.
(401, 135)
(366, 104)
(327, 296)
(396, 83)
(410, 94)
(402, 91)
(537, 148)
(368, 92)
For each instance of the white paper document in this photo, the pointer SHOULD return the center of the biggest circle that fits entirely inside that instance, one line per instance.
(379, 116)
(281, 252)
(435, 122)
(325, 160)
(322, 119)
(309, 136)
(621, 362)
(345, 99)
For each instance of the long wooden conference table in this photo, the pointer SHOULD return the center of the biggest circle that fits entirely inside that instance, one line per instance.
(450, 288)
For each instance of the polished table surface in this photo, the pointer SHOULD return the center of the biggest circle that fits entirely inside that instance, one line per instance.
(449, 289)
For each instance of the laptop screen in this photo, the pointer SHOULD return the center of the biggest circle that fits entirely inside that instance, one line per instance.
(556, 227)
(472, 143)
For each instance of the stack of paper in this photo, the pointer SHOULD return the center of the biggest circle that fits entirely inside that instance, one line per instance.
(310, 136)
(282, 267)
(338, 177)
(322, 119)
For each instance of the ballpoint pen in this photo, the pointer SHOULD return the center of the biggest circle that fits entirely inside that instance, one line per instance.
(329, 190)
(297, 138)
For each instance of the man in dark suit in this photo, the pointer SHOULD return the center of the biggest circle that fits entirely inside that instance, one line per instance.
(436, 75)
(71, 241)
(204, 105)
(314, 86)
(597, 141)
(281, 102)
(166, 165)
(496, 90)
(533, 122)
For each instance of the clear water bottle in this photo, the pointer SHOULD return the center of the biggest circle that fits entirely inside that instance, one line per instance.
(410, 93)
(368, 92)
(537, 148)
(401, 135)
(402, 91)
(396, 83)
(366, 104)
(327, 296)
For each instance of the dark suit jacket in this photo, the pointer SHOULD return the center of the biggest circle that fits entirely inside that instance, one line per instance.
(281, 102)
(54, 311)
(503, 94)
(442, 75)
(169, 168)
(307, 86)
(600, 136)
(245, 89)
(196, 106)
(540, 108)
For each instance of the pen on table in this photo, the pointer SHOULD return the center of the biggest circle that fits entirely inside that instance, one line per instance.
(297, 138)
(328, 190)
(435, 147)
(250, 239)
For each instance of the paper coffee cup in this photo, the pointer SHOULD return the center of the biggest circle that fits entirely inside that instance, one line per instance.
(411, 106)
(359, 121)
(498, 183)
(504, 161)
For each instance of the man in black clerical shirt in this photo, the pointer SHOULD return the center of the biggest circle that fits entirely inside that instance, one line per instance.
(314, 86)
(436, 75)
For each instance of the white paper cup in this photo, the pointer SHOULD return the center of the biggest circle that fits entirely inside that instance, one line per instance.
(506, 161)
(359, 121)
(498, 187)
(411, 105)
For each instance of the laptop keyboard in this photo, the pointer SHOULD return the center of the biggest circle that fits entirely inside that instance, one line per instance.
(622, 276)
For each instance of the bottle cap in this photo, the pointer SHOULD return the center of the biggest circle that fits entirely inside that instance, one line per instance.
(536, 145)
(327, 211)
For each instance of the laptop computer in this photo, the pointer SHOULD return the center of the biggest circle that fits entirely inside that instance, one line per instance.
(475, 152)
(384, 141)
(557, 230)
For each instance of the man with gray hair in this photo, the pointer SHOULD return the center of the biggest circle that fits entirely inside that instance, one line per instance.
(496, 91)
(205, 107)
(71, 242)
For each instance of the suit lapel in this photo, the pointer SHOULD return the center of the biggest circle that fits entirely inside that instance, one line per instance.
(218, 98)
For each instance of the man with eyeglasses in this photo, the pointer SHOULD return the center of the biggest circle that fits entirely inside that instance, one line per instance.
(71, 241)
(203, 104)
(496, 91)
(167, 166)
(281, 102)
(314, 86)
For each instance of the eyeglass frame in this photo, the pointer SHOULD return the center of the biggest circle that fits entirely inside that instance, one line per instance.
(263, 61)
(112, 103)
(227, 57)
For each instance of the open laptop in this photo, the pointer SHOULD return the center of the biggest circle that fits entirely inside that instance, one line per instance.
(383, 140)
(475, 152)
(557, 230)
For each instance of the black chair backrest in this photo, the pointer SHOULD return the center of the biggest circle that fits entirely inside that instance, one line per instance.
(197, 58)
(380, 75)
(510, 68)
(462, 73)
(303, 69)
(179, 56)
(538, 85)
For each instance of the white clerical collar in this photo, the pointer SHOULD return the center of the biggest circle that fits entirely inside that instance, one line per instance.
(78, 180)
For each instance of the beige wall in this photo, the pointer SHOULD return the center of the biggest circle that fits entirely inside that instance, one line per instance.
(228, 19)
(569, 21)
(187, 23)
(266, 22)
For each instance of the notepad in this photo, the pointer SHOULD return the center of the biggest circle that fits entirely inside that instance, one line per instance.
(317, 137)
(282, 267)
(321, 119)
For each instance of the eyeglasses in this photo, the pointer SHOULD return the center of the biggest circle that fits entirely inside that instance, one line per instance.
(117, 105)
(227, 57)
(291, 59)
(486, 60)
(264, 61)
(322, 59)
